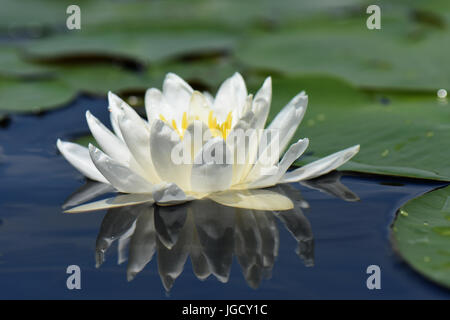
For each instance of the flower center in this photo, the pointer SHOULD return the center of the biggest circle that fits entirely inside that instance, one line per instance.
(217, 129)
(220, 129)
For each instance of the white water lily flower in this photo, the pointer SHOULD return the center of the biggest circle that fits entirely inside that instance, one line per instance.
(136, 158)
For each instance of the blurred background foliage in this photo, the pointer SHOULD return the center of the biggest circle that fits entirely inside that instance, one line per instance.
(372, 87)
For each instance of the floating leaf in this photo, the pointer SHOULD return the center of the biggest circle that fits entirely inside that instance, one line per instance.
(12, 63)
(391, 59)
(140, 43)
(33, 95)
(421, 234)
(100, 78)
(163, 14)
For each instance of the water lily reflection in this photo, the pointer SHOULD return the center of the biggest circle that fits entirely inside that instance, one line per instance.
(209, 233)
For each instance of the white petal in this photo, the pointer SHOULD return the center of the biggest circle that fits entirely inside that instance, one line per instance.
(258, 199)
(261, 103)
(109, 142)
(210, 171)
(263, 180)
(118, 107)
(157, 105)
(120, 176)
(243, 143)
(115, 202)
(136, 135)
(115, 123)
(199, 107)
(169, 193)
(238, 114)
(208, 97)
(163, 142)
(231, 95)
(288, 119)
(115, 108)
(178, 94)
(321, 166)
(78, 156)
(195, 136)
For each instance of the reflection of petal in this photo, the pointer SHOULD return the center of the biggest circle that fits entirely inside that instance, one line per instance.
(115, 224)
(292, 193)
(199, 262)
(270, 240)
(248, 247)
(215, 228)
(257, 199)
(169, 220)
(171, 261)
(122, 245)
(121, 200)
(207, 231)
(88, 191)
(142, 244)
(256, 244)
(332, 185)
(299, 226)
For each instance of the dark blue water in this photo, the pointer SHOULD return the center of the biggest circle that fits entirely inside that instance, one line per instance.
(317, 252)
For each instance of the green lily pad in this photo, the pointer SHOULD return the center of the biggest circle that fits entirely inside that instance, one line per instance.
(100, 78)
(13, 64)
(16, 15)
(163, 14)
(390, 58)
(421, 234)
(33, 95)
(140, 43)
(399, 134)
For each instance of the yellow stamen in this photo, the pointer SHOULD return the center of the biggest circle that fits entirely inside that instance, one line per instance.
(184, 122)
(211, 124)
(217, 129)
(220, 129)
(228, 121)
(174, 125)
